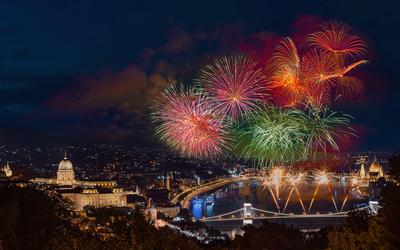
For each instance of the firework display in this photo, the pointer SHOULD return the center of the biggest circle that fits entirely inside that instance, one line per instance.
(319, 75)
(236, 84)
(230, 110)
(324, 127)
(274, 135)
(337, 38)
(188, 125)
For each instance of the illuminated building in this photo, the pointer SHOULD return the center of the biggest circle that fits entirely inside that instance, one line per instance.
(362, 171)
(66, 177)
(169, 211)
(7, 170)
(375, 170)
(158, 198)
(151, 213)
(168, 182)
(361, 160)
(85, 193)
(65, 173)
(96, 197)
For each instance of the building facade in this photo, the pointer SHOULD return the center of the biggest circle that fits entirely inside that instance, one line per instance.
(7, 170)
(85, 193)
(103, 197)
(66, 177)
(375, 170)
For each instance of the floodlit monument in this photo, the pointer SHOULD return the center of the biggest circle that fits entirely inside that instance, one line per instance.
(375, 170)
(66, 177)
(7, 170)
(85, 193)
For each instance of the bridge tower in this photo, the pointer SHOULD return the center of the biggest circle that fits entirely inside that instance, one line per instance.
(361, 161)
(248, 214)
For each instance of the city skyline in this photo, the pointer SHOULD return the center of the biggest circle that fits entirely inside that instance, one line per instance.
(215, 125)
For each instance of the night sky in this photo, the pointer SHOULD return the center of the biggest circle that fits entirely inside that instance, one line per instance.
(87, 71)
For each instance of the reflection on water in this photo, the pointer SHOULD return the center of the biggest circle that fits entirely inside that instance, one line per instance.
(232, 197)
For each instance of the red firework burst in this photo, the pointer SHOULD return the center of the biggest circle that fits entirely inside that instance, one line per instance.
(189, 125)
(235, 84)
(336, 38)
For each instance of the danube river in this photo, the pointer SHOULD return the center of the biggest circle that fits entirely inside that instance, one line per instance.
(339, 194)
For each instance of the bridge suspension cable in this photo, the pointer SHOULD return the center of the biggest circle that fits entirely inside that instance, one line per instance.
(222, 215)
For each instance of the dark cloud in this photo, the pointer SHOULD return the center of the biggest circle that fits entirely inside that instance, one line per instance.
(7, 30)
(22, 54)
(129, 90)
(119, 101)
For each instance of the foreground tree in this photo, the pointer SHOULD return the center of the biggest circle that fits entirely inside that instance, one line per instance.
(146, 236)
(359, 231)
(364, 231)
(391, 202)
(270, 236)
(34, 219)
(30, 219)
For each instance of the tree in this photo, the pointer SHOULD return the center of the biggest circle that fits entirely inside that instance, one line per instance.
(146, 236)
(35, 218)
(360, 231)
(394, 163)
(391, 202)
(270, 236)
(364, 231)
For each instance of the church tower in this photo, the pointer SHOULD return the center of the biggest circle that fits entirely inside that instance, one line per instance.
(65, 173)
(362, 171)
(168, 182)
(361, 160)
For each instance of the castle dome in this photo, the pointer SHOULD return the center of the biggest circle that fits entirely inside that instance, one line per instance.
(65, 164)
(375, 167)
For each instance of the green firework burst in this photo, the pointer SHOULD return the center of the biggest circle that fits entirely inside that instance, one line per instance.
(273, 135)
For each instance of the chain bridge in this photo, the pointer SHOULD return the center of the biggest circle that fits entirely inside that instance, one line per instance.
(249, 213)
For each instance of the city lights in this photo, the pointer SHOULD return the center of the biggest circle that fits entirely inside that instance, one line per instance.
(199, 125)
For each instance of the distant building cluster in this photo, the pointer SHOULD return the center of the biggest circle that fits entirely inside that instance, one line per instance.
(111, 176)
(116, 177)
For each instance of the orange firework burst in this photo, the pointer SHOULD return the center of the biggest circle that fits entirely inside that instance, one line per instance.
(300, 79)
(320, 74)
(285, 76)
(319, 68)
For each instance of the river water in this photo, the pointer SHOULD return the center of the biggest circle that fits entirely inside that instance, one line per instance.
(232, 197)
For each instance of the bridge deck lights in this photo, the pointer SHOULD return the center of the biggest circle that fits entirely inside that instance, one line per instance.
(323, 179)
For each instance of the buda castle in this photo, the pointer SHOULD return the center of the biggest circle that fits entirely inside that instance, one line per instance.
(84, 193)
